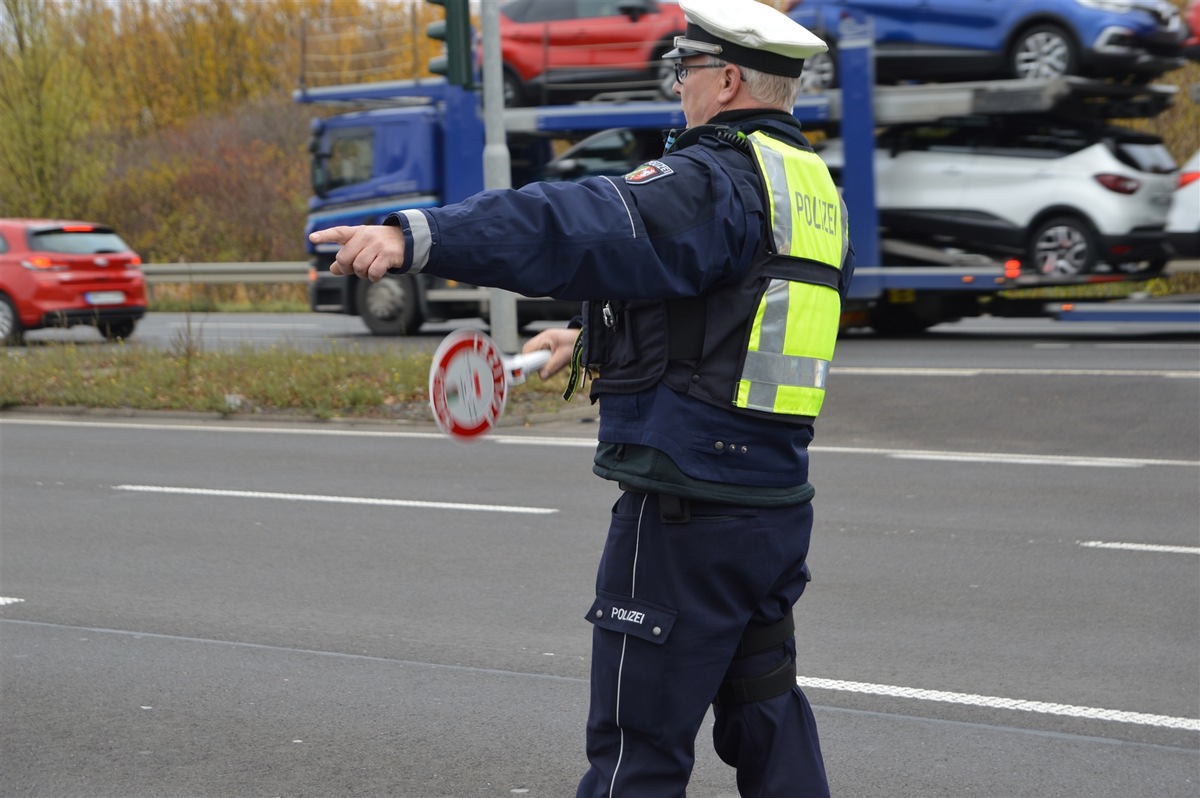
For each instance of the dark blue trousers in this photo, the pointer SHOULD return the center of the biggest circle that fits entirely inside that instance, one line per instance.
(672, 601)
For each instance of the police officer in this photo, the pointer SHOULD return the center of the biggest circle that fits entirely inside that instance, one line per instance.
(712, 279)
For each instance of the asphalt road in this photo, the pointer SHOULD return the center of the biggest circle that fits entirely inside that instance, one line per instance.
(1006, 594)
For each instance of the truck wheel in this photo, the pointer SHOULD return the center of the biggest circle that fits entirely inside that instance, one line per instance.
(389, 307)
(117, 330)
(1063, 246)
(11, 332)
(1043, 51)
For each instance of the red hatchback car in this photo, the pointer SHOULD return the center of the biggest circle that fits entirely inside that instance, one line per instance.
(61, 273)
(562, 50)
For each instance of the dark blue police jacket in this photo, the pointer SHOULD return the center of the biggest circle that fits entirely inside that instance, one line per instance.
(675, 229)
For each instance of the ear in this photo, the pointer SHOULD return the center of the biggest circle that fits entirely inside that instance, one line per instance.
(731, 84)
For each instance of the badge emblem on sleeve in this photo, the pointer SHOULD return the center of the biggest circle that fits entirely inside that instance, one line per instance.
(647, 172)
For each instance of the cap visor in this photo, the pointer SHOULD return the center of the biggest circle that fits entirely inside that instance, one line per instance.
(680, 52)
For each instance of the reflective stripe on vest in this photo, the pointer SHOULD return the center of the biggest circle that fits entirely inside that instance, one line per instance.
(795, 327)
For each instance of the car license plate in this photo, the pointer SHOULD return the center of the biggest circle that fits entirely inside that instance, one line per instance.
(104, 297)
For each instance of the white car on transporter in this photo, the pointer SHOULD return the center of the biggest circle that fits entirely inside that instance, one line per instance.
(1067, 196)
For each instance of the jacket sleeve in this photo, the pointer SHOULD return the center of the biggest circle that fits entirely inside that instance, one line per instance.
(602, 238)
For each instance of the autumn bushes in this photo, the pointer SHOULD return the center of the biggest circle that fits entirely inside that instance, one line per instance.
(219, 189)
(173, 121)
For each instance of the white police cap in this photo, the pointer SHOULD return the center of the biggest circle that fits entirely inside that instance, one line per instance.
(747, 33)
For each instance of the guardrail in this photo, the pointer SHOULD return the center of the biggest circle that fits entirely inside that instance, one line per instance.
(218, 273)
(297, 272)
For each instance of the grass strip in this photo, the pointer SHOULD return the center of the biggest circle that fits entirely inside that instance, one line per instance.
(280, 380)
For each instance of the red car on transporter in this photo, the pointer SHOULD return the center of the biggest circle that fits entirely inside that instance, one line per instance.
(56, 273)
(564, 50)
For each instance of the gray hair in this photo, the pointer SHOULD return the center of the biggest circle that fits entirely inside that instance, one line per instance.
(774, 91)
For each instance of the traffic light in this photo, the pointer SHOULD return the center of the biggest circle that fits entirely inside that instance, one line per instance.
(455, 31)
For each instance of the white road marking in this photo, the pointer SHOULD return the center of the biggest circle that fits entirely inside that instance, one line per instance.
(1151, 547)
(1014, 459)
(308, 497)
(523, 440)
(283, 429)
(5, 600)
(996, 702)
(590, 443)
(836, 685)
(1019, 459)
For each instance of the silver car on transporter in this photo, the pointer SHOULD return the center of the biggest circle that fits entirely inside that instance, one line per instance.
(1067, 196)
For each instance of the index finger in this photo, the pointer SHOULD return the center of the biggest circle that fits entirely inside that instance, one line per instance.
(334, 235)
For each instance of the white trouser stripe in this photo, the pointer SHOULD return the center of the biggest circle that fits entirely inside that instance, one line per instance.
(624, 641)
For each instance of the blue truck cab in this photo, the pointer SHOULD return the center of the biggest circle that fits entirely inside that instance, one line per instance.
(366, 165)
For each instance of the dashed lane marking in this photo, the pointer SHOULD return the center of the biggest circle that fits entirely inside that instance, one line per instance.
(309, 497)
(1148, 547)
(996, 702)
(1003, 458)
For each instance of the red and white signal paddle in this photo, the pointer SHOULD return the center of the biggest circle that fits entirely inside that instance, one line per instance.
(469, 381)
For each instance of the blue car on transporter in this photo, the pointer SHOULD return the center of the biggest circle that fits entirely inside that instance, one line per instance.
(950, 40)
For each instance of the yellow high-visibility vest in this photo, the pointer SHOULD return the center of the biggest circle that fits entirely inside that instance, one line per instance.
(795, 327)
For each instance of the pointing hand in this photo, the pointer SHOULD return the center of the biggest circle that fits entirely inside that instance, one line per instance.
(367, 251)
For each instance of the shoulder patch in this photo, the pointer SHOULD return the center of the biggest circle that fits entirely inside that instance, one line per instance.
(651, 170)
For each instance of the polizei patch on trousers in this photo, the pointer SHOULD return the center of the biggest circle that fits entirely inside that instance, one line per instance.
(651, 170)
(630, 616)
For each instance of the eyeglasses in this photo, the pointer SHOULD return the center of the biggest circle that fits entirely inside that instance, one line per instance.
(681, 71)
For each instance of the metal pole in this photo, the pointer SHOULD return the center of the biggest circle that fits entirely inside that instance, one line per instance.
(497, 171)
(856, 65)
